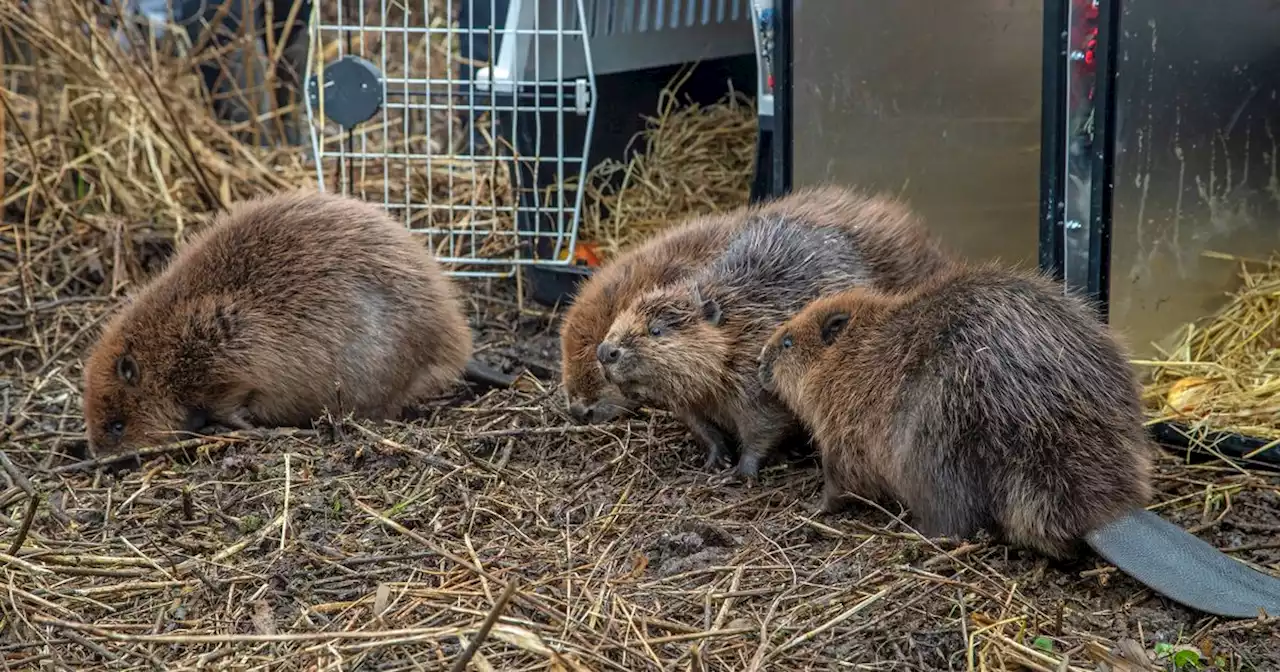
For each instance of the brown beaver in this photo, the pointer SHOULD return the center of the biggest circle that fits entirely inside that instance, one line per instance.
(686, 248)
(692, 346)
(283, 307)
(658, 261)
(986, 398)
(990, 399)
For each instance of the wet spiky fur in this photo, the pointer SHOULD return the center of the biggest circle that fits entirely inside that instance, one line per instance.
(985, 399)
(691, 347)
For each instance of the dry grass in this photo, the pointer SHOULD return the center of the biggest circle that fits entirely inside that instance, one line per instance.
(490, 533)
(694, 159)
(97, 137)
(1223, 373)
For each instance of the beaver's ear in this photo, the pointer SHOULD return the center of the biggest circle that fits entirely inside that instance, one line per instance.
(832, 326)
(224, 320)
(127, 369)
(705, 306)
(217, 323)
(709, 308)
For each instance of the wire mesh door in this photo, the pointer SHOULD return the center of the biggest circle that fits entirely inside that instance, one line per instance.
(469, 119)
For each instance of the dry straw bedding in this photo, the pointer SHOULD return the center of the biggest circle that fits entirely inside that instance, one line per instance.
(690, 160)
(491, 521)
(1223, 372)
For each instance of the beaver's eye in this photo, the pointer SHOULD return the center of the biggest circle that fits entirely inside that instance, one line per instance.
(655, 330)
(787, 342)
(115, 428)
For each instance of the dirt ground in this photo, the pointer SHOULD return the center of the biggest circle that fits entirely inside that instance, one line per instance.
(385, 547)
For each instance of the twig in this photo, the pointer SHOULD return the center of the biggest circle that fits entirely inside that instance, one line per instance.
(229, 437)
(239, 638)
(26, 140)
(32, 503)
(34, 569)
(844, 616)
(92, 646)
(284, 528)
(190, 162)
(5, 40)
(465, 657)
(535, 431)
(16, 475)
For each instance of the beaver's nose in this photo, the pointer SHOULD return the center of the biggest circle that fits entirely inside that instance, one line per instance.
(579, 412)
(608, 353)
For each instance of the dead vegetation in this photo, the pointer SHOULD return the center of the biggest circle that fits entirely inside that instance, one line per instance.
(1223, 373)
(491, 532)
(690, 160)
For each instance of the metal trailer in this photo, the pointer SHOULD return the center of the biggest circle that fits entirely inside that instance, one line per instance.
(1154, 153)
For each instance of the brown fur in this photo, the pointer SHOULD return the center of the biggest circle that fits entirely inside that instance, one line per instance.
(661, 260)
(896, 260)
(284, 307)
(986, 399)
(691, 347)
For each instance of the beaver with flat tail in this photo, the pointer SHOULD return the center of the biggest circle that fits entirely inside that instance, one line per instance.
(989, 399)
(691, 347)
(283, 307)
(897, 258)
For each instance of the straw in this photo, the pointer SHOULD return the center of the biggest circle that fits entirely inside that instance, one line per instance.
(690, 160)
(1222, 372)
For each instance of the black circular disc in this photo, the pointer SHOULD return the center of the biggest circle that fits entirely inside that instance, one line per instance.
(352, 91)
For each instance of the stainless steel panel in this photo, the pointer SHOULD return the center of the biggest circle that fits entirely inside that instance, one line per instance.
(1196, 167)
(938, 101)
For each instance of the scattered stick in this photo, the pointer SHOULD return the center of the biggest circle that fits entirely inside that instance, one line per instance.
(284, 527)
(16, 475)
(33, 502)
(178, 446)
(523, 600)
(846, 615)
(239, 638)
(465, 657)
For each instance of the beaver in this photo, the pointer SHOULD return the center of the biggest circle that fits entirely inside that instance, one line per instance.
(281, 308)
(658, 261)
(989, 398)
(692, 346)
(676, 253)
